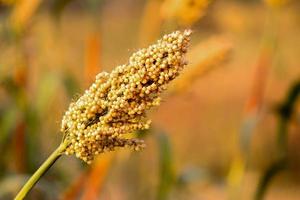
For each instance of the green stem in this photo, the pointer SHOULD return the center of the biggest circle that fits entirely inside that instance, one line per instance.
(41, 171)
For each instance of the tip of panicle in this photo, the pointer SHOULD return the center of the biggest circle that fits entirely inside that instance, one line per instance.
(187, 32)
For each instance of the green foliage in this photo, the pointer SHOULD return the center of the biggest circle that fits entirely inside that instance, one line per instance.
(166, 166)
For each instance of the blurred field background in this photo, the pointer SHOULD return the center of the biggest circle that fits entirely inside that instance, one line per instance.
(228, 129)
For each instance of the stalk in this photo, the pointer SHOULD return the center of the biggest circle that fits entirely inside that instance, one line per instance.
(41, 171)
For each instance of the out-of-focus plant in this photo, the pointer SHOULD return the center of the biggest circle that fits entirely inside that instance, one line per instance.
(254, 104)
(172, 182)
(96, 177)
(285, 112)
(276, 3)
(151, 22)
(203, 57)
(184, 12)
(252, 111)
(160, 15)
(73, 191)
(22, 13)
(92, 57)
(8, 2)
(166, 169)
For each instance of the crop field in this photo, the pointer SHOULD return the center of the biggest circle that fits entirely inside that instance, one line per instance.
(149, 100)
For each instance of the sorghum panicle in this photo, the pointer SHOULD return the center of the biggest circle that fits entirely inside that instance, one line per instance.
(116, 103)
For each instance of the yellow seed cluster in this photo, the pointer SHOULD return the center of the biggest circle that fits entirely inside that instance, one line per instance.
(116, 103)
(185, 12)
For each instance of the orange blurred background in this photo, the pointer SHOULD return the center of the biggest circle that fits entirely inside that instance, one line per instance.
(221, 130)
